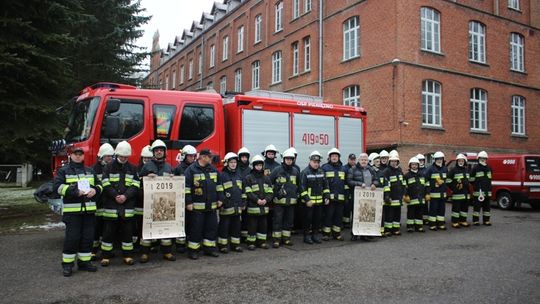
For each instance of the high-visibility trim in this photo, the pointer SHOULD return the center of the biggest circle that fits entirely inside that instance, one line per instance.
(418, 222)
(209, 243)
(84, 256)
(202, 206)
(283, 201)
(227, 185)
(475, 213)
(165, 242)
(194, 246)
(129, 212)
(110, 213)
(459, 197)
(213, 176)
(455, 214)
(139, 211)
(432, 219)
(68, 258)
(487, 213)
(268, 189)
(463, 214)
(219, 188)
(223, 241)
(257, 210)
(235, 241)
(127, 246)
(255, 188)
(410, 222)
(414, 202)
(387, 224)
(187, 190)
(341, 175)
(437, 195)
(339, 197)
(227, 211)
(106, 246)
(440, 218)
(63, 189)
(180, 241)
(326, 229)
(276, 234)
(286, 233)
(396, 225)
(146, 243)
(336, 228)
(251, 238)
(330, 174)
(261, 236)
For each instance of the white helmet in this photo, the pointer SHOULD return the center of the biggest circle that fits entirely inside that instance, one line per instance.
(146, 152)
(438, 154)
(294, 151)
(384, 153)
(461, 156)
(413, 160)
(243, 150)
(482, 154)
(230, 156)
(393, 156)
(420, 157)
(105, 149)
(257, 159)
(394, 152)
(123, 149)
(189, 150)
(373, 156)
(158, 143)
(334, 151)
(315, 155)
(288, 153)
(270, 148)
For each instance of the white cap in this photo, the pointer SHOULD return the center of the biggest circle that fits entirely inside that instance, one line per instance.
(334, 151)
(146, 152)
(105, 149)
(123, 149)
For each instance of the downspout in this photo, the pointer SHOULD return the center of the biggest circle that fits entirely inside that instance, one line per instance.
(203, 54)
(320, 48)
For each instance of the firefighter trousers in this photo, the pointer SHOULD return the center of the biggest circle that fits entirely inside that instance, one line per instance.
(347, 212)
(203, 230)
(437, 210)
(243, 225)
(229, 227)
(98, 233)
(117, 229)
(282, 222)
(460, 210)
(312, 219)
(414, 216)
(79, 237)
(482, 207)
(333, 218)
(392, 218)
(257, 226)
(182, 241)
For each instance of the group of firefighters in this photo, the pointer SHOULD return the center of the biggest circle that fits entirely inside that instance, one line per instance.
(103, 205)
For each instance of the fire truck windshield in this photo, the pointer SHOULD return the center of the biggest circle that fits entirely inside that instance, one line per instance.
(81, 120)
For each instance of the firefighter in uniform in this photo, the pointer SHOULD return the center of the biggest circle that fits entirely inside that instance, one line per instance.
(394, 190)
(422, 170)
(436, 192)
(414, 197)
(146, 156)
(348, 206)
(270, 163)
(157, 167)
(375, 164)
(285, 179)
(234, 201)
(259, 193)
(481, 180)
(314, 193)
(333, 212)
(244, 168)
(105, 156)
(204, 195)
(185, 158)
(458, 182)
(383, 156)
(120, 191)
(78, 211)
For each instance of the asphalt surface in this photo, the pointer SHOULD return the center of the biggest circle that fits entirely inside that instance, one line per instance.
(498, 264)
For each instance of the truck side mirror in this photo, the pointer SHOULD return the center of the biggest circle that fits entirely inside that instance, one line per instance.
(111, 127)
(113, 105)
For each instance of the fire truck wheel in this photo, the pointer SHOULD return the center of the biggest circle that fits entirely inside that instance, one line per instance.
(505, 201)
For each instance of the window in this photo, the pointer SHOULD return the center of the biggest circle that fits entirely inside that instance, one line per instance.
(163, 120)
(351, 33)
(296, 9)
(518, 115)
(258, 28)
(516, 52)
(225, 48)
(513, 4)
(222, 85)
(174, 79)
(197, 123)
(166, 82)
(477, 42)
(307, 54)
(276, 67)
(478, 110)
(210, 85)
(351, 96)
(431, 103)
(190, 71)
(200, 63)
(129, 118)
(255, 75)
(182, 72)
(240, 42)
(238, 80)
(295, 57)
(430, 27)
(307, 6)
(212, 55)
(279, 17)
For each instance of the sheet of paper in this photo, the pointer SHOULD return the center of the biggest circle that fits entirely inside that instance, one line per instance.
(83, 185)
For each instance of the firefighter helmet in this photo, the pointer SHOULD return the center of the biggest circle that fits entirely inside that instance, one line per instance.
(384, 153)
(294, 151)
(373, 156)
(438, 154)
(420, 157)
(105, 149)
(394, 152)
(413, 160)
(270, 148)
(158, 143)
(229, 156)
(334, 151)
(482, 154)
(288, 153)
(146, 152)
(189, 150)
(393, 156)
(461, 156)
(315, 155)
(243, 150)
(257, 159)
(123, 149)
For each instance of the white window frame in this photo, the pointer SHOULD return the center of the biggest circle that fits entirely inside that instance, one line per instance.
(166, 82)
(225, 48)
(182, 72)
(222, 85)
(351, 38)
(190, 69)
(276, 67)
(431, 103)
(256, 75)
(351, 96)
(478, 110)
(514, 4)
(174, 79)
(477, 42)
(430, 30)
(238, 80)
(307, 6)
(240, 42)
(295, 9)
(258, 28)
(517, 52)
(518, 115)
(200, 63)
(296, 58)
(212, 61)
(307, 53)
(278, 20)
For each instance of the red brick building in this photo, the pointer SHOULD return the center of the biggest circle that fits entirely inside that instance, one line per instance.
(461, 75)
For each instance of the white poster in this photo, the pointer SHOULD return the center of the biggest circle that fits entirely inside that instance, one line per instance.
(367, 212)
(164, 207)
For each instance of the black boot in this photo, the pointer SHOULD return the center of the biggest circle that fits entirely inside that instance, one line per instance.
(193, 254)
(67, 269)
(316, 238)
(86, 266)
(307, 239)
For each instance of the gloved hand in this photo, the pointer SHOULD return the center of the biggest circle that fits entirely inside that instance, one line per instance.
(439, 181)
(427, 197)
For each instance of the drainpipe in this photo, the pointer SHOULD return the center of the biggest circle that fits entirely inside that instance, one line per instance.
(202, 62)
(320, 48)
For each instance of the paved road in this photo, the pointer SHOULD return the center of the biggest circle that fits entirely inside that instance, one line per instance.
(498, 264)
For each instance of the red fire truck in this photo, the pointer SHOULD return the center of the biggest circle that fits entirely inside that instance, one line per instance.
(109, 112)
